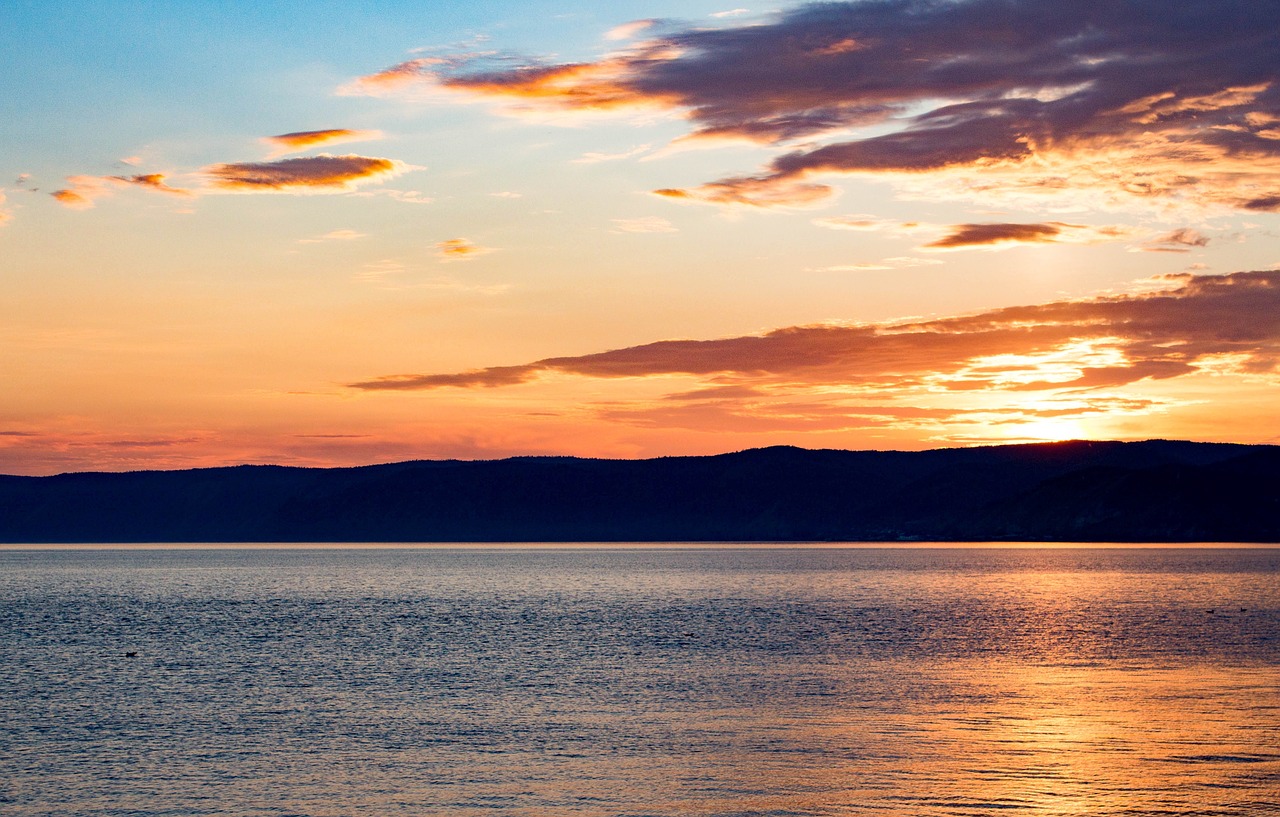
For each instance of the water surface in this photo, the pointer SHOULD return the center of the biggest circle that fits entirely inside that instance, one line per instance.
(593, 682)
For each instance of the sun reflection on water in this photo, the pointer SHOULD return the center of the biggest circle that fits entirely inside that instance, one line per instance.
(575, 683)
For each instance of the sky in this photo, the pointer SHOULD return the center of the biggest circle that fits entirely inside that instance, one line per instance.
(331, 234)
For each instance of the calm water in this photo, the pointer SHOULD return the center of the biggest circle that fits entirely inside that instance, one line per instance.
(571, 683)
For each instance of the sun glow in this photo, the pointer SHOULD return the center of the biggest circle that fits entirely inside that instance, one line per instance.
(1060, 365)
(1048, 429)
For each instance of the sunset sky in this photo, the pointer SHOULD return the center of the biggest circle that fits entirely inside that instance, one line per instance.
(338, 233)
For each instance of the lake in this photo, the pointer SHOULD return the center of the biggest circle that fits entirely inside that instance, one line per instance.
(593, 682)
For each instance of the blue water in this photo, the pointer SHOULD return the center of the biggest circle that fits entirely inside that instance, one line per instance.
(593, 682)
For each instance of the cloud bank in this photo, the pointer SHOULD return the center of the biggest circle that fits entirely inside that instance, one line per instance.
(1138, 100)
(1223, 324)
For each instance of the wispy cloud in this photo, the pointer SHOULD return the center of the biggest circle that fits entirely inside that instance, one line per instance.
(628, 30)
(391, 274)
(1138, 102)
(459, 249)
(396, 79)
(765, 412)
(647, 224)
(82, 191)
(151, 181)
(156, 442)
(406, 196)
(377, 271)
(594, 157)
(334, 235)
(307, 139)
(309, 174)
(1181, 240)
(871, 224)
(750, 192)
(895, 262)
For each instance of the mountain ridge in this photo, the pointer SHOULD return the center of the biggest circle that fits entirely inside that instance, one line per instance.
(1153, 490)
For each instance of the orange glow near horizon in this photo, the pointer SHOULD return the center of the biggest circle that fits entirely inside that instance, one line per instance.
(869, 248)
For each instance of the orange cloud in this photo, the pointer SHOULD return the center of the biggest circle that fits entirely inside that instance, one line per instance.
(566, 88)
(1228, 323)
(310, 174)
(75, 199)
(83, 190)
(764, 413)
(459, 249)
(315, 174)
(985, 235)
(870, 224)
(390, 80)
(1181, 240)
(573, 86)
(151, 181)
(753, 192)
(628, 30)
(304, 140)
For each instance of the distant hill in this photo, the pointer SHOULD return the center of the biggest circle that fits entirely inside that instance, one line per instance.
(1073, 491)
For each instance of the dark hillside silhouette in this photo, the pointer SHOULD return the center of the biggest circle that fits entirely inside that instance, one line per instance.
(1074, 491)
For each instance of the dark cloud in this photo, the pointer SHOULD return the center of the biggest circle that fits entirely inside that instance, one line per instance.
(1140, 98)
(1263, 204)
(321, 173)
(1233, 320)
(978, 235)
